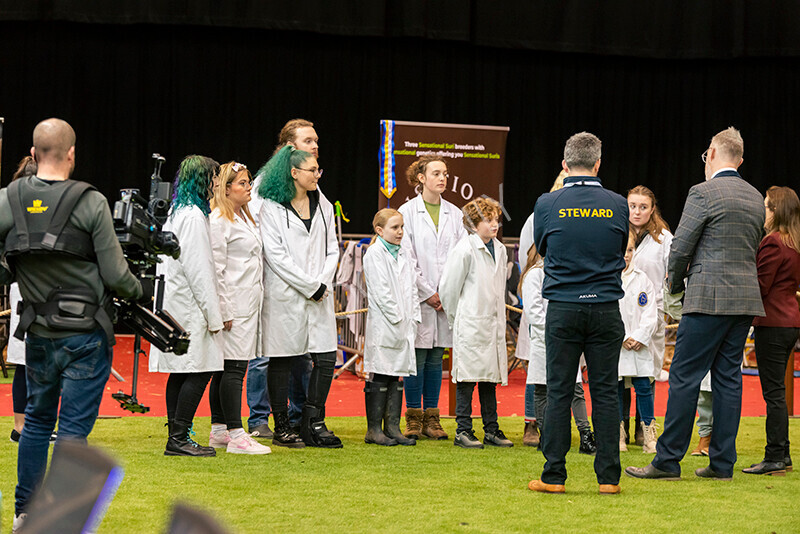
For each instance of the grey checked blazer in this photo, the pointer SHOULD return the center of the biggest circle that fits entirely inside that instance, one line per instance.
(715, 247)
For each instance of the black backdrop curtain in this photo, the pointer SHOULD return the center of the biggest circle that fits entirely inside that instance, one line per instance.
(130, 90)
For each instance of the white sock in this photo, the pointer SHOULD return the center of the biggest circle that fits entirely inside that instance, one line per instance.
(237, 433)
(218, 429)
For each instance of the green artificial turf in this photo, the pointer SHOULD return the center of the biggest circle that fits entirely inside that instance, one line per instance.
(432, 487)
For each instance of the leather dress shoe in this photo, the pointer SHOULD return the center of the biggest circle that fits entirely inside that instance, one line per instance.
(609, 489)
(538, 485)
(766, 468)
(707, 472)
(651, 472)
(788, 462)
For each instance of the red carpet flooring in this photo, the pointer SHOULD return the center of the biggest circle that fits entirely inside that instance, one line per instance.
(346, 396)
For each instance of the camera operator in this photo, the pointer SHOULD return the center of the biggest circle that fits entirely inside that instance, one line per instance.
(57, 236)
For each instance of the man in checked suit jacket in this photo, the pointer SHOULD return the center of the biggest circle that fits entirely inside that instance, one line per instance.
(715, 249)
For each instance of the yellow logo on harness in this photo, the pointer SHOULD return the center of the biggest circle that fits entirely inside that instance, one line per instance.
(37, 207)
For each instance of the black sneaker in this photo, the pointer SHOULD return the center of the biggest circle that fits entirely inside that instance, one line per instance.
(16, 435)
(466, 440)
(498, 439)
(261, 431)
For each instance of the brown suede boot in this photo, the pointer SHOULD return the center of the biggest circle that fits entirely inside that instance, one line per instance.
(413, 423)
(431, 427)
(702, 446)
(531, 436)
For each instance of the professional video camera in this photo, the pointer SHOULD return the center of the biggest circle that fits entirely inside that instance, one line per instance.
(138, 224)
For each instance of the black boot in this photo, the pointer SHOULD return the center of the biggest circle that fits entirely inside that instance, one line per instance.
(181, 444)
(391, 416)
(314, 432)
(588, 446)
(375, 400)
(283, 435)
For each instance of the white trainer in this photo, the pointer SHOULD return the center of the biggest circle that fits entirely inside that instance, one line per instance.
(245, 444)
(650, 437)
(219, 440)
(19, 521)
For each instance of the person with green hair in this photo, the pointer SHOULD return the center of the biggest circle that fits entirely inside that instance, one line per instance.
(301, 253)
(190, 295)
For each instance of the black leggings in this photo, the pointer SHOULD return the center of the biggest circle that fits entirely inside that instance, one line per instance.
(383, 379)
(184, 391)
(319, 383)
(19, 389)
(225, 394)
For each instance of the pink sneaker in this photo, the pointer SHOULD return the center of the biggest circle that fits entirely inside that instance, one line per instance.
(244, 444)
(219, 440)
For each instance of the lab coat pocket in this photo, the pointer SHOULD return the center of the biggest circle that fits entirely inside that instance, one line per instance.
(246, 301)
(391, 336)
(475, 331)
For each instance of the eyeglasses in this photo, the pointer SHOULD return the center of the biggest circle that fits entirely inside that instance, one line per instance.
(704, 155)
(238, 167)
(315, 172)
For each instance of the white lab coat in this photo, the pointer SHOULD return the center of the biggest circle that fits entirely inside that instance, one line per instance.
(472, 290)
(16, 347)
(525, 240)
(297, 262)
(535, 313)
(393, 314)
(428, 250)
(190, 296)
(651, 258)
(639, 314)
(238, 258)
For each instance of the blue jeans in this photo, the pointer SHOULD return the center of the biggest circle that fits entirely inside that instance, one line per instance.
(530, 405)
(644, 398)
(257, 394)
(428, 382)
(298, 387)
(74, 369)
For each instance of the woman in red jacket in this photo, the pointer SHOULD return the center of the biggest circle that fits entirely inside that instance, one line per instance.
(776, 334)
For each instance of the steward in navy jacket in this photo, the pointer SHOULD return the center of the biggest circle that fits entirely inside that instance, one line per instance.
(582, 233)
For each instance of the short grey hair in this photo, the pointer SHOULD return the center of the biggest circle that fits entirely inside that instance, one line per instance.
(729, 143)
(582, 150)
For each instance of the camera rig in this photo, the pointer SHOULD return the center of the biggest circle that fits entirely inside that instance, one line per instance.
(138, 224)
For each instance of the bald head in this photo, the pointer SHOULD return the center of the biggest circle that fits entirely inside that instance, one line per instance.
(52, 141)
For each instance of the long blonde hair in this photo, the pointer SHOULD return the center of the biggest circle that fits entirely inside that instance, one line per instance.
(533, 259)
(656, 224)
(380, 220)
(225, 177)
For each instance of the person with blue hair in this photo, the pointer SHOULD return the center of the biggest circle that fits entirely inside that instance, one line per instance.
(301, 253)
(190, 295)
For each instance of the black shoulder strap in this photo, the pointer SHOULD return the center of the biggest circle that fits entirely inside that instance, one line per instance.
(72, 194)
(20, 224)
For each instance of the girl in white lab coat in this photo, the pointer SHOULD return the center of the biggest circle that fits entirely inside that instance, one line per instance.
(301, 252)
(638, 310)
(472, 291)
(535, 311)
(653, 241)
(432, 228)
(237, 250)
(190, 295)
(392, 322)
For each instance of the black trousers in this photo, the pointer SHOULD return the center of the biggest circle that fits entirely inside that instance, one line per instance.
(19, 389)
(774, 347)
(319, 383)
(225, 394)
(597, 331)
(184, 391)
(704, 342)
(487, 393)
